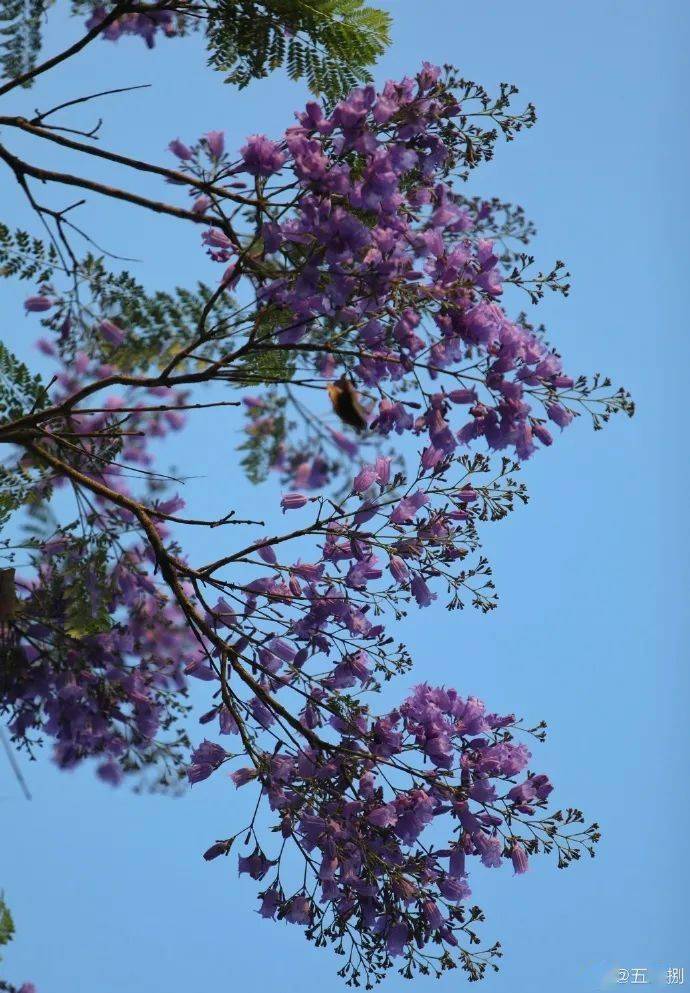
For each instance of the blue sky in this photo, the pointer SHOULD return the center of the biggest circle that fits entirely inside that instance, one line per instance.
(108, 889)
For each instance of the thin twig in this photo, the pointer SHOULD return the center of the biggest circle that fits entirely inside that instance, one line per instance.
(15, 765)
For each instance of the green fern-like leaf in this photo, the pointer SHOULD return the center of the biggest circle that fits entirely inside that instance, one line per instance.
(25, 257)
(21, 22)
(20, 391)
(331, 43)
(264, 437)
(87, 594)
(19, 488)
(157, 324)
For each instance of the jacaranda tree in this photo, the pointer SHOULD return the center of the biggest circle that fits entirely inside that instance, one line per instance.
(357, 318)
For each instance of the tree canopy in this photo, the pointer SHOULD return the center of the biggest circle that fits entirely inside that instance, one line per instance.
(361, 321)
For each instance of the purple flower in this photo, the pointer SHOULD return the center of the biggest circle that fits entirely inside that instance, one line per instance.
(385, 816)
(534, 788)
(310, 572)
(299, 910)
(467, 494)
(262, 157)
(365, 513)
(179, 149)
(199, 668)
(243, 776)
(397, 939)
(35, 305)
(399, 570)
(363, 572)
(270, 901)
(201, 204)
(429, 75)
(490, 848)
(519, 859)
(365, 478)
(282, 649)
(431, 457)
(215, 142)
(407, 508)
(267, 554)
(383, 469)
(293, 501)
(227, 723)
(111, 332)
(543, 434)
(223, 614)
(433, 915)
(415, 811)
(205, 759)
(405, 889)
(255, 865)
(216, 239)
(47, 347)
(421, 592)
(261, 713)
(463, 396)
(110, 772)
(559, 415)
(272, 236)
(454, 888)
(456, 863)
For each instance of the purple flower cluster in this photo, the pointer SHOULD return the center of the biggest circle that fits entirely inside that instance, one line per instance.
(146, 25)
(105, 694)
(375, 267)
(378, 219)
(357, 814)
(97, 654)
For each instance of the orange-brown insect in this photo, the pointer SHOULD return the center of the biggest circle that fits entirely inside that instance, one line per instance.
(345, 400)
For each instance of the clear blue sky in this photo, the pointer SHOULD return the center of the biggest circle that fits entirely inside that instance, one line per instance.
(108, 889)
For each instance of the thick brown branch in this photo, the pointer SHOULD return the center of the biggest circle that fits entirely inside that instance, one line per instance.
(19, 166)
(117, 11)
(171, 174)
